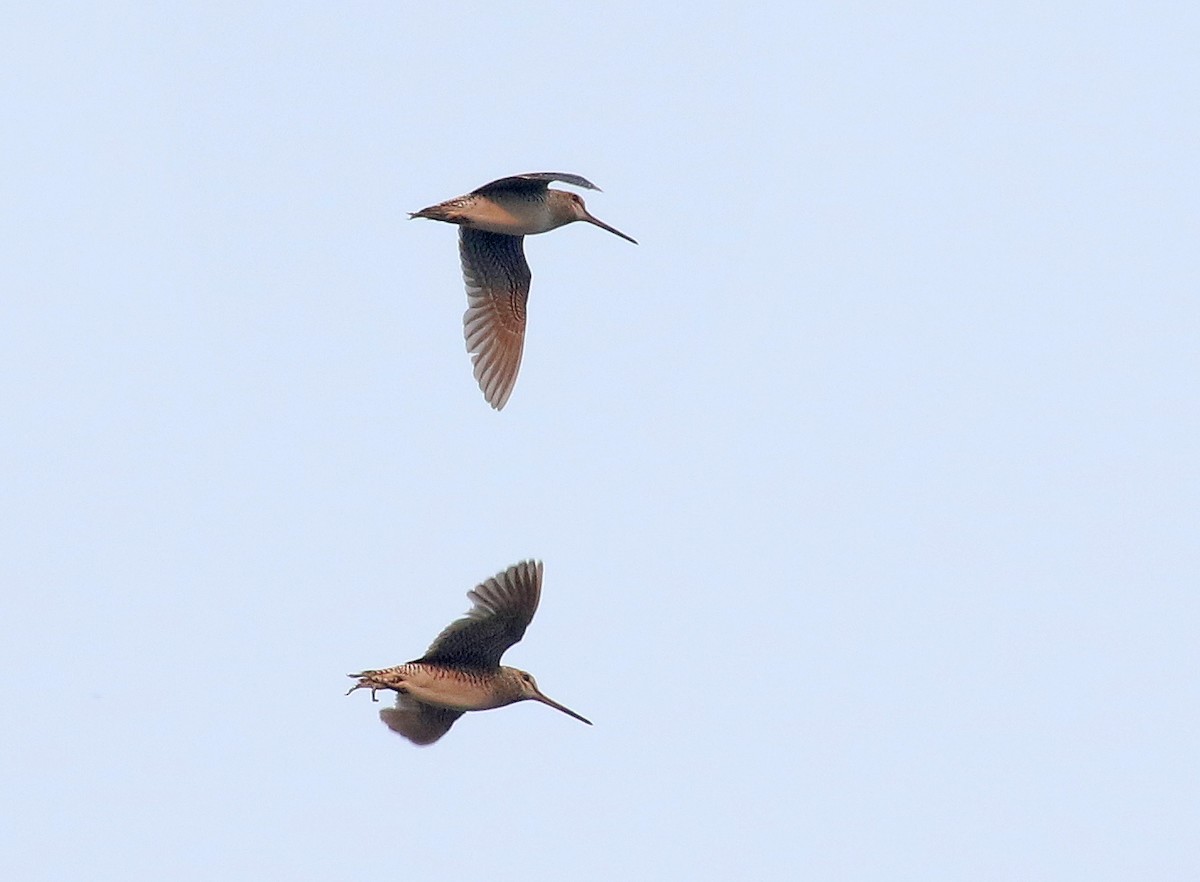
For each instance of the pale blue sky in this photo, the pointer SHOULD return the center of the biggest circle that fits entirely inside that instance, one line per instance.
(867, 484)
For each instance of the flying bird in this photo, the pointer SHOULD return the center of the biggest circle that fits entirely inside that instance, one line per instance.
(493, 222)
(461, 670)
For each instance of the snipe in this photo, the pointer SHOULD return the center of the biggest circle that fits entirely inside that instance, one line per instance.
(461, 670)
(493, 223)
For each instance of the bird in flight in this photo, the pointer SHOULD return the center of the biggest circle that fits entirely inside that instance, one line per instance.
(461, 670)
(493, 222)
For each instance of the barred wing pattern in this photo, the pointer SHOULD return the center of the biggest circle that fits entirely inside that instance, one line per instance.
(503, 608)
(497, 279)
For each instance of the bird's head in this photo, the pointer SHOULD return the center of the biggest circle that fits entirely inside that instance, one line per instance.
(573, 209)
(527, 689)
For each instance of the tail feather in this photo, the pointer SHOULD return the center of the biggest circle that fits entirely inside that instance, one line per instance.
(443, 212)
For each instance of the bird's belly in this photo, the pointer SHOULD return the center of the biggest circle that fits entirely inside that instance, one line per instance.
(452, 690)
(518, 219)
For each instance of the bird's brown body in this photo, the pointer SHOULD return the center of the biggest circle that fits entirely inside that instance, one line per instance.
(493, 221)
(461, 670)
(462, 689)
(507, 212)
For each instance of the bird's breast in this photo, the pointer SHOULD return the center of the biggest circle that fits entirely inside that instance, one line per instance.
(511, 216)
(454, 689)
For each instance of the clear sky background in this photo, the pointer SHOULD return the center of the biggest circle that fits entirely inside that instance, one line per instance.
(866, 485)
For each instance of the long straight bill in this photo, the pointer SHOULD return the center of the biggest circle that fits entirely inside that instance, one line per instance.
(602, 225)
(566, 710)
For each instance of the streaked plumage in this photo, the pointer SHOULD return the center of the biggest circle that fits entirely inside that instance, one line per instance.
(461, 670)
(493, 221)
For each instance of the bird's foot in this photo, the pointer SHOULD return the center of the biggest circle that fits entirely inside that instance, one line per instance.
(365, 683)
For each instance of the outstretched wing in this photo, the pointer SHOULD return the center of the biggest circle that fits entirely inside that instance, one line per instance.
(503, 608)
(420, 723)
(536, 181)
(497, 279)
